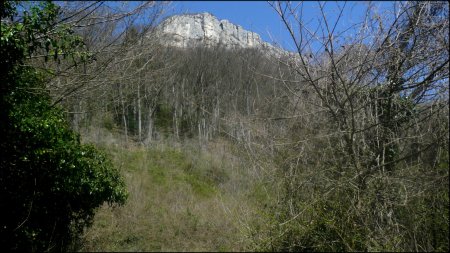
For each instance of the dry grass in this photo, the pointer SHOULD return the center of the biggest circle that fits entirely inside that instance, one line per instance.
(182, 197)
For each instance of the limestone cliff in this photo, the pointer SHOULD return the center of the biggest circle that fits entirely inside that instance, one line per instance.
(190, 30)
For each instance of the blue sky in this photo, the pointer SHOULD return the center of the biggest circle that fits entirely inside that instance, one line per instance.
(258, 16)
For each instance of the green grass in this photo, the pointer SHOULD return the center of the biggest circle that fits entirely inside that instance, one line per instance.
(181, 199)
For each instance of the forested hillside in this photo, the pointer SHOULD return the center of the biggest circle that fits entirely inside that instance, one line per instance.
(113, 139)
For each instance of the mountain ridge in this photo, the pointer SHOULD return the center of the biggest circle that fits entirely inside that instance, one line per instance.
(205, 29)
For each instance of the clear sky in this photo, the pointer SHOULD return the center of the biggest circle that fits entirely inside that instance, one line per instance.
(256, 16)
(259, 17)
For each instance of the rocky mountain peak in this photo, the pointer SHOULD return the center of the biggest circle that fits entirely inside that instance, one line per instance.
(188, 30)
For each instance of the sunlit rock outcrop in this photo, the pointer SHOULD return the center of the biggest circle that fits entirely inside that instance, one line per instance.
(189, 30)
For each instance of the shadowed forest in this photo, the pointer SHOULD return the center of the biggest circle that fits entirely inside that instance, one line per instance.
(112, 140)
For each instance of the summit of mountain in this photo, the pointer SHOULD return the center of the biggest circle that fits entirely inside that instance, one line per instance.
(204, 29)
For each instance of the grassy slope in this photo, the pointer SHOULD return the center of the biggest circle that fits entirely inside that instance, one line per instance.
(182, 198)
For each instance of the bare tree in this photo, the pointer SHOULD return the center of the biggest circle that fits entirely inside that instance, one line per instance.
(119, 48)
(376, 90)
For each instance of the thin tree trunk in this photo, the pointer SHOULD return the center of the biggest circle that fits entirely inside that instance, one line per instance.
(124, 117)
(139, 113)
(175, 116)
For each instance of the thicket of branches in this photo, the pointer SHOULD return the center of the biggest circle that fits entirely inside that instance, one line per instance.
(157, 91)
(351, 136)
(369, 170)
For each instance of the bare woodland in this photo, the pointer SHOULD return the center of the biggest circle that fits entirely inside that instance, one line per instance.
(350, 138)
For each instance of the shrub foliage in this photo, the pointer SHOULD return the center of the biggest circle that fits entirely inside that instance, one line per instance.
(50, 183)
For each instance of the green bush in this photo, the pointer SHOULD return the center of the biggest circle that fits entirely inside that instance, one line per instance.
(50, 183)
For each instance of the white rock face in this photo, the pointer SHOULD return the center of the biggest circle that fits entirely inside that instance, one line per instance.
(190, 30)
